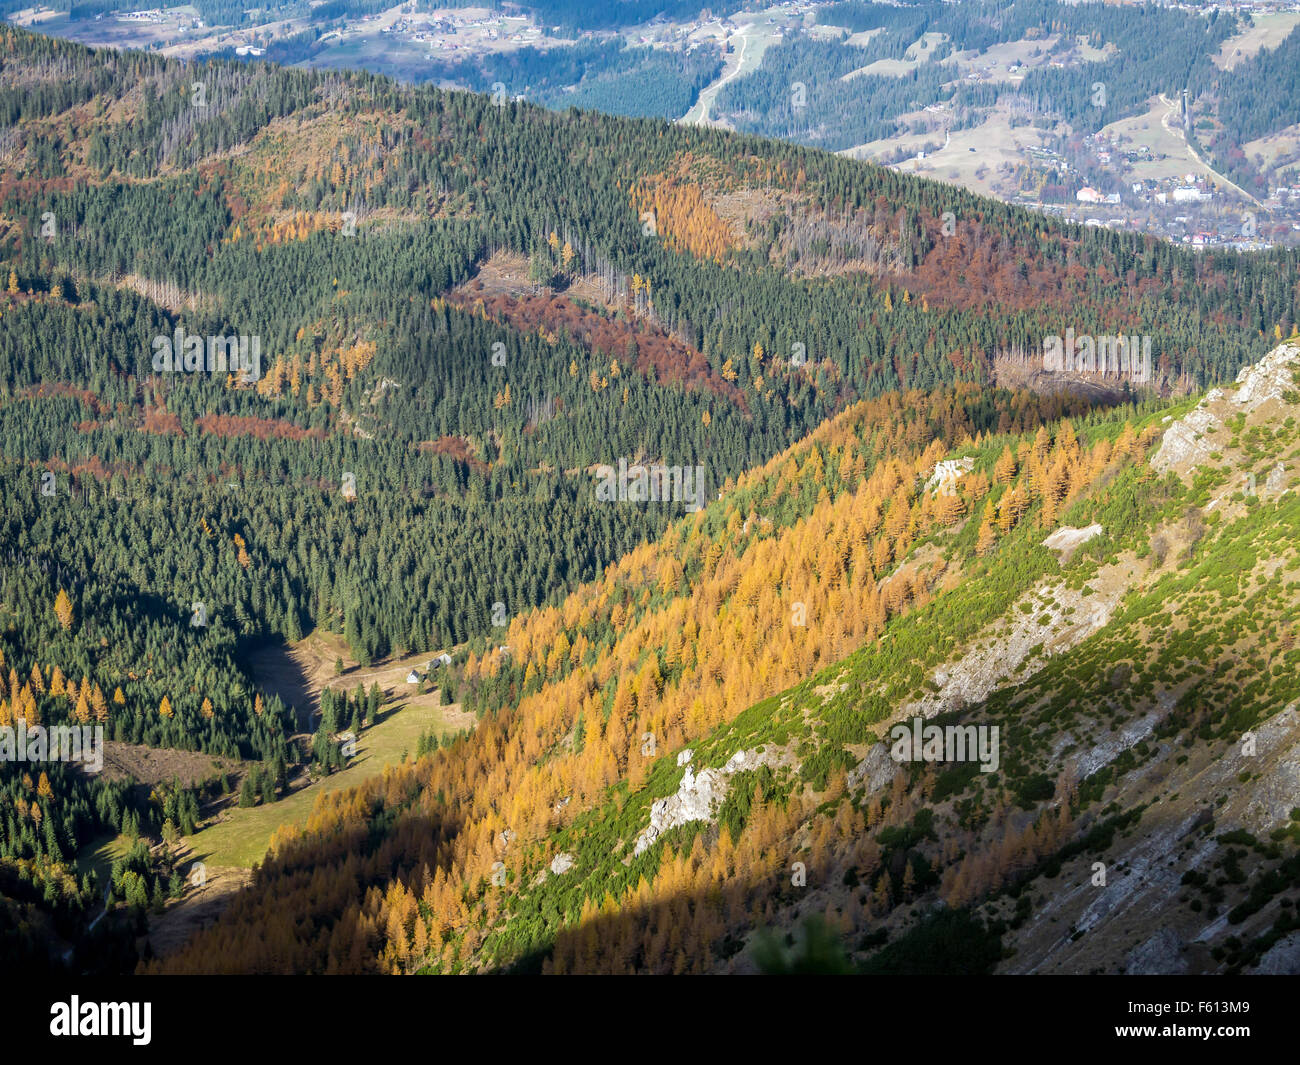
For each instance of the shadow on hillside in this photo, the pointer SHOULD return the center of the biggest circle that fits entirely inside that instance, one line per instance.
(305, 915)
(303, 911)
(277, 672)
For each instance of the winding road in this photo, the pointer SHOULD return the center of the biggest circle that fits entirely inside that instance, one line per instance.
(710, 92)
(1177, 128)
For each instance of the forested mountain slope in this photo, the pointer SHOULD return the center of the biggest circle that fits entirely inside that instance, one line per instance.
(1138, 815)
(458, 310)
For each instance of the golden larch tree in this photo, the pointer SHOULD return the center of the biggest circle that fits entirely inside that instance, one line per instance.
(63, 609)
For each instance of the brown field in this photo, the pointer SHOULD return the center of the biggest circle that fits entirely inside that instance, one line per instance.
(1277, 150)
(998, 150)
(1170, 158)
(1268, 32)
(157, 765)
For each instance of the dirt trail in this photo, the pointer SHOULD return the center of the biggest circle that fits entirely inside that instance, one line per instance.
(698, 115)
(388, 676)
(1177, 129)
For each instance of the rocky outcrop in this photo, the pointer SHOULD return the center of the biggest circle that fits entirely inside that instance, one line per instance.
(1102, 754)
(1066, 540)
(1193, 439)
(1059, 618)
(947, 473)
(1282, 958)
(1276, 790)
(1275, 482)
(1187, 442)
(874, 771)
(1268, 379)
(1144, 871)
(698, 795)
(1161, 954)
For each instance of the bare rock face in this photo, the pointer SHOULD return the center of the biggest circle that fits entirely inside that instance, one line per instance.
(1275, 482)
(1066, 540)
(874, 771)
(698, 796)
(947, 473)
(1267, 379)
(1115, 744)
(562, 863)
(1276, 790)
(1282, 958)
(1193, 439)
(1187, 442)
(1060, 617)
(1160, 954)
